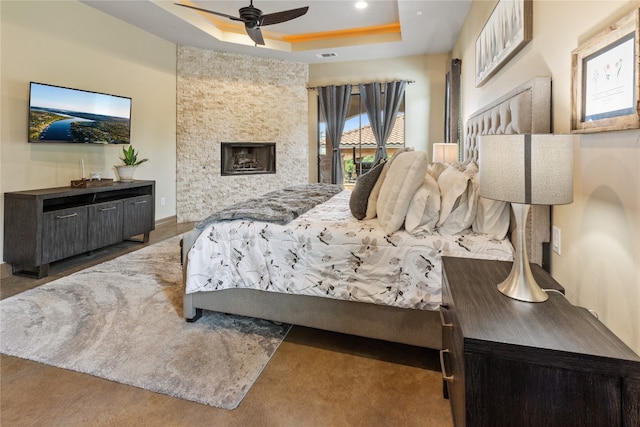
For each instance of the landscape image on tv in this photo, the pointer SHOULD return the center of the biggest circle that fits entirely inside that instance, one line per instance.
(59, 114)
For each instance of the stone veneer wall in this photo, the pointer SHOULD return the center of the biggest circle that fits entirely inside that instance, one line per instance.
(228, 97)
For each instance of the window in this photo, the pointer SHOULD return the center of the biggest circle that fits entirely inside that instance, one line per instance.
(358, 144)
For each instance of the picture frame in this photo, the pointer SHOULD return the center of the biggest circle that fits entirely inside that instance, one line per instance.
(606, 79)
(508, 29)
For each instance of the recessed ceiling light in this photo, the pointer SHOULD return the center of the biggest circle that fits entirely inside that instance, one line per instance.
(361, 5)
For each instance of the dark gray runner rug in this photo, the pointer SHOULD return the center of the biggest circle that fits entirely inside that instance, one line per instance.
(122, 320)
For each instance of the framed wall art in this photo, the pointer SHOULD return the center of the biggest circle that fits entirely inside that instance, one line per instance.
(508, 29)
(605, 79)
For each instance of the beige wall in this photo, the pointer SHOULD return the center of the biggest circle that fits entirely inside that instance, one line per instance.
(424, 99)
(68, 43)
(600, 261)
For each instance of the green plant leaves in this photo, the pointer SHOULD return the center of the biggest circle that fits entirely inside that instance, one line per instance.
(130, 156)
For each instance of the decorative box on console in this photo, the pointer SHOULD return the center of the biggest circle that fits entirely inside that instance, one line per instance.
(246, 158)
(90, 183)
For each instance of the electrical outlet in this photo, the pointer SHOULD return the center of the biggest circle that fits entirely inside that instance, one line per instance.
(163, 201)
(556, 237)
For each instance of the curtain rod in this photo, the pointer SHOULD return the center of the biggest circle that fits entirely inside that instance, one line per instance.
(355, 84)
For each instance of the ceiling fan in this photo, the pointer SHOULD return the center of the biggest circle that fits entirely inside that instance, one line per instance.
(254, 19)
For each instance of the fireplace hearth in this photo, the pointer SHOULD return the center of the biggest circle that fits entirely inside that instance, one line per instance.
(247, 158)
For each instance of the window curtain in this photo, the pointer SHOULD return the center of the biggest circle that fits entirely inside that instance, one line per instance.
(334, 104)
(382, 108)
(452, 122)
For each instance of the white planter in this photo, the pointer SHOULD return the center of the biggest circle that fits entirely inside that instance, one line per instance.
(125, 173)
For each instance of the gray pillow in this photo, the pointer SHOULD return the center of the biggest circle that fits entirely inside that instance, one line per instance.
(362, 189)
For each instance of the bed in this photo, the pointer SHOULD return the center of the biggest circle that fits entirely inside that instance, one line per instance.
(323, 268)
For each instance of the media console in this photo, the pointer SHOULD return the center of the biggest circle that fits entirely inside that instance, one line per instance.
(47, 225)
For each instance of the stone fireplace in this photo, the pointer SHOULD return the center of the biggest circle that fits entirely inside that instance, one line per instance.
(223, 96)
(246, 158)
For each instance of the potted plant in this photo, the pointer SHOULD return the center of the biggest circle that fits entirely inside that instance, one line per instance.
(130, 162)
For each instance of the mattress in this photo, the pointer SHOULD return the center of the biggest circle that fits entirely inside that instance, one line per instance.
(326, 252)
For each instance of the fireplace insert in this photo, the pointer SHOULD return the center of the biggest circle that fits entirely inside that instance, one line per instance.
(245, 158)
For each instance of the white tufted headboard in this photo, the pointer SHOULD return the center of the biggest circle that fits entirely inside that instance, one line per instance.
(526, 109)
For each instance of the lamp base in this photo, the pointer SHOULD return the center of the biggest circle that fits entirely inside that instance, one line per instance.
(520, 283)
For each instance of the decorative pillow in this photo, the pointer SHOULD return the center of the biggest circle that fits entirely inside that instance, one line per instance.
(492, 217)
(362, 189)
(435, 169)
(424, 209)
(459, 194)
(372, 211)
(404, 150)
(405, 176)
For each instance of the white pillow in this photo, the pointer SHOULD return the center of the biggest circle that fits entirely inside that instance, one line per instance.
(372, 211)
(375, 191)
(435, 169)
(405, 176)
(459, 194)
(492, 217)
(424, 209)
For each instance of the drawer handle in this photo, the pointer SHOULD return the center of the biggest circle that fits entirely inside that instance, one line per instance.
(66, 216)
(445, 324)
(140, 202)
(107, 209)
(448, 378)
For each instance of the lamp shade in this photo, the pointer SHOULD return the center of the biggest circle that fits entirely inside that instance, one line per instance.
(445, 153)
(533, 169)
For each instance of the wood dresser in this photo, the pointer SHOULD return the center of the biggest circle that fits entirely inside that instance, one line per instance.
(47, 225)
(512, 363)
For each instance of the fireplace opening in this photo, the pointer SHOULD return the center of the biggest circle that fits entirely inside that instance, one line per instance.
(246, 158)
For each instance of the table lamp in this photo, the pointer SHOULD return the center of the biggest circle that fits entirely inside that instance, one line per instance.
(445, 153)
(525, 170)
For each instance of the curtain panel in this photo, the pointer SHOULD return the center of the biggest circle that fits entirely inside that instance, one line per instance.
(382, 102)
(334, 104)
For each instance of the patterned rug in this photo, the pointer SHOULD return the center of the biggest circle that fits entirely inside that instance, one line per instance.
(122, 320)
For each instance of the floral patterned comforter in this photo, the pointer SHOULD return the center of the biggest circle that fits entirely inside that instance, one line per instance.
(327, 252)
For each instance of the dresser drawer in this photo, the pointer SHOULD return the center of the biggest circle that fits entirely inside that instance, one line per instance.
(451, 355)
(64, 233)
(105, 224)
(138, 216)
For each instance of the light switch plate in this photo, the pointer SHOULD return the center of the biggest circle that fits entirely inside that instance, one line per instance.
(556, 237)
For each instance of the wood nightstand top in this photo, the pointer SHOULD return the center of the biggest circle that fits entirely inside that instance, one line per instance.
(487, 316)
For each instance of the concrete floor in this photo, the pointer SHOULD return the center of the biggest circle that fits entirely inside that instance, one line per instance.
(315, 378)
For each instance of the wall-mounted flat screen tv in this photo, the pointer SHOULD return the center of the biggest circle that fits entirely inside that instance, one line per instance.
(60, 114)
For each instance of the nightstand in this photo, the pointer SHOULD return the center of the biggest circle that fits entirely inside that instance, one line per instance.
(513, 363)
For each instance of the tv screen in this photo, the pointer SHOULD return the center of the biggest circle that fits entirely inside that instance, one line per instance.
(60, 114)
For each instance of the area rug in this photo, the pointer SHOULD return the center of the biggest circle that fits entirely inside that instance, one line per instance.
(122, 320)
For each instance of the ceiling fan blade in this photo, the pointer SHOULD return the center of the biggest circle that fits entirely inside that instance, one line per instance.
(235, 18)
(253, 18)
(285, 15)
(255, 34)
